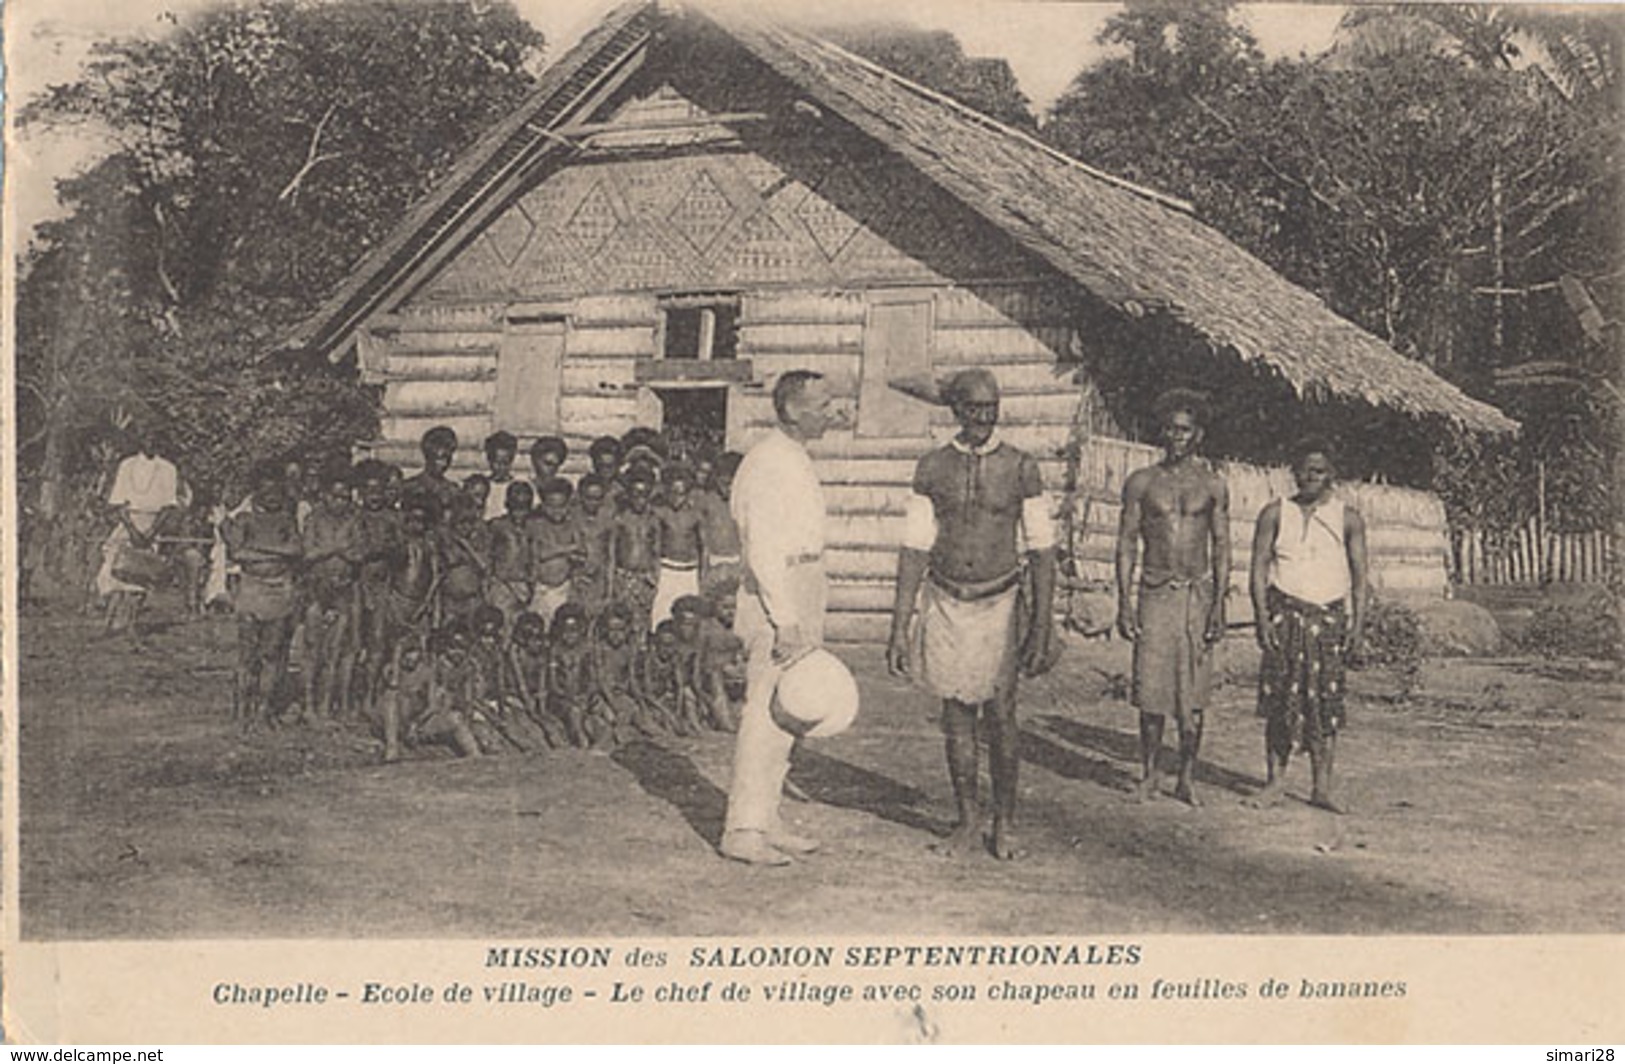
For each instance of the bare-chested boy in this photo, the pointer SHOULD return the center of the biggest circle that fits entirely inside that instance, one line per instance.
(420, 700)
(381, 539)
(614, 674)
(547, 457)
(634, 560)
(332, 547)
(264, 541)
(496, 703)
(595, 517)
(508, 588)
(688, 615)
(1180, 509)
(527, 678)
(721, 570)
(682, 543)
(977, 520)
(605, 456)
(465, 560)
(660, 678)
(500, 450)
(556, 549)
(412, 583)
(439, 448)
(1308, 588)
(570, 690)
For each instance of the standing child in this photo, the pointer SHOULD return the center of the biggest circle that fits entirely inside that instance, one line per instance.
(634, 560)
(719, 573)
(439, 448)
(547, 457)
(381, 537)
(413, 577)
(681, 544)
(332, 546)
(556, 549)
(509, 588)
(1308, 588)
(265, 543)
(465, 560)
(500, 450)
(605, 456)
(595, 517)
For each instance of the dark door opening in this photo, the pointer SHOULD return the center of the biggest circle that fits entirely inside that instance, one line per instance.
(694, 419)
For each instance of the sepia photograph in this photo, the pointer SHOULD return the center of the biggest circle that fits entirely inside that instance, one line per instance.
(1023, 479)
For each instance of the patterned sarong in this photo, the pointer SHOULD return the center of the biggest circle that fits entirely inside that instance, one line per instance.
(636, 588)
(1173, 664)
(1301, 684)
(968, 638)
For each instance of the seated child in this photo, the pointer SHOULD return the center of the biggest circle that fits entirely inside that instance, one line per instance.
(569, 681)
(615, 668)
(415, 709)
(528, 656)
(662, 680)
(496, 701)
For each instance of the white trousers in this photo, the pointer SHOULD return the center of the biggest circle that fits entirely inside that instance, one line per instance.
(762, 750)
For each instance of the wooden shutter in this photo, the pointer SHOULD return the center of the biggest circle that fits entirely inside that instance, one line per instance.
(896, 343)
(530, 377)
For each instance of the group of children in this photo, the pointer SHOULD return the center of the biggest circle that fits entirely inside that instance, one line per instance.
(499, 613)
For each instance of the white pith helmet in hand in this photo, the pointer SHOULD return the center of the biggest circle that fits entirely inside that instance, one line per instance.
(816, 697)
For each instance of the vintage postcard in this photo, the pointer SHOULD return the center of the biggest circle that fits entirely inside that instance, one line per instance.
(554, 521)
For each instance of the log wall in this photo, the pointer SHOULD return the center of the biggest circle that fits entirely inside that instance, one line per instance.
(597, 243)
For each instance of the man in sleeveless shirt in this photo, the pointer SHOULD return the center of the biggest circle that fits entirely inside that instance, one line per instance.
(1308, 589)
(977, 520)
(1180, 509)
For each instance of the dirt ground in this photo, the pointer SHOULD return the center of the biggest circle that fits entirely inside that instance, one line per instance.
(1489, 802)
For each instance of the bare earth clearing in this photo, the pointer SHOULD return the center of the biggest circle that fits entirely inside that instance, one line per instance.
(1490, 802)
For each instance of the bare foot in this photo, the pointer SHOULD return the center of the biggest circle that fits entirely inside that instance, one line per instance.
(1321, 801)
(1003, 846)
(1187, 794)
(1145, 790)
(960, 841)
(1267, 798)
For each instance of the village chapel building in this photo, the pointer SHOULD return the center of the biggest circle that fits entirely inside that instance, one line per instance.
(692, 203)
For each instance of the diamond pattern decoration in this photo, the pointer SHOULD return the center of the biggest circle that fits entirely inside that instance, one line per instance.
(593, 220)
(510, 233)
(830, 226)
(702, 212)
(764, 250)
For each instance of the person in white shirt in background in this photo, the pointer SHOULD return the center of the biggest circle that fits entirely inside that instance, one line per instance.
(1309, 560)
(147, 493)
(778, 504)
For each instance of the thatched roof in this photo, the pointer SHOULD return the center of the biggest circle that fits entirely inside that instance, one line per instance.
(1128, 247)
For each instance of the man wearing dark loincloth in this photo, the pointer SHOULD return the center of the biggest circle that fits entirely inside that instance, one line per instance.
(1180, 509)
(977, 520)
(1308, 587)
